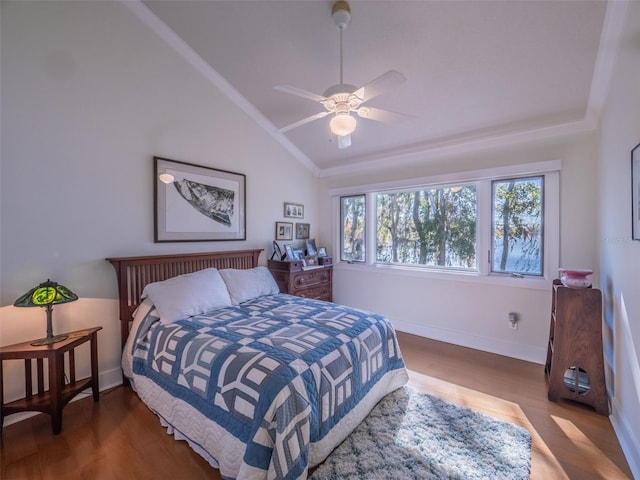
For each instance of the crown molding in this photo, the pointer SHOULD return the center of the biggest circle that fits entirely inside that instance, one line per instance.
(416, 155)
(186, 52)
(610, 40)
(603, 69)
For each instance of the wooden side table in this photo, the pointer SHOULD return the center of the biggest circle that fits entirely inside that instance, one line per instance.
(575, 363)
(53, 400)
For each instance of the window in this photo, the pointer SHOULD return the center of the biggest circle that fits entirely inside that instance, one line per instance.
(430, 226)
(517, 237)
(502, 222)
(352, 231)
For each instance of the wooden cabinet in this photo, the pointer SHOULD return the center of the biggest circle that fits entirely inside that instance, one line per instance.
(53, 400)
(309, 283)
(575, 362)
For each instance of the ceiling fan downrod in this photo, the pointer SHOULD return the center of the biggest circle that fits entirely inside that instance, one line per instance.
(341, 14)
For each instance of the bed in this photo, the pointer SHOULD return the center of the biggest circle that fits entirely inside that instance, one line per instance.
(261, 384)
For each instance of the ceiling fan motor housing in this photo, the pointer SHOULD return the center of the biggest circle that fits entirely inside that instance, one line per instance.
(340, 89)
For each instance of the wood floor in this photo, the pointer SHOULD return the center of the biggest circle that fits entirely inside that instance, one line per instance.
(119, 438)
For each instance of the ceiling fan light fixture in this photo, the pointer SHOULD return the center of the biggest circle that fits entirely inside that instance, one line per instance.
(342, 124)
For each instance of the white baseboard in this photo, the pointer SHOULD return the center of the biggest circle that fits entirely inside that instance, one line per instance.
(628, 438)
(515, 350)
(106, 380)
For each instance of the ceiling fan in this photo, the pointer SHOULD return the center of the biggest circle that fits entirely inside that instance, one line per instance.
(342, 100)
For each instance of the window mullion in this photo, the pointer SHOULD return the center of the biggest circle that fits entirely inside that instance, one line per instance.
(484, 227)
(370, 232)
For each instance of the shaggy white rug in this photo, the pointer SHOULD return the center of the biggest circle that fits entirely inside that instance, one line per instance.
(412, 435)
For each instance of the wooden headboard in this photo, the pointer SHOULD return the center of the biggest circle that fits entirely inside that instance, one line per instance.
(134, 273)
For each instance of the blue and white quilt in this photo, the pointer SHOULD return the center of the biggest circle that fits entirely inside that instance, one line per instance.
(268, 388)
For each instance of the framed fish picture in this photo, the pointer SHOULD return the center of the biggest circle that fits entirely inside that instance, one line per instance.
(194, 203)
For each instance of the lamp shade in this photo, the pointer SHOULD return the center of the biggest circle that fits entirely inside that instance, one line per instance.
(46, 295)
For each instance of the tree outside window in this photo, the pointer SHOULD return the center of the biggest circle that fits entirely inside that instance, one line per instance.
(517, 239)
(352, 213)
(431, 226)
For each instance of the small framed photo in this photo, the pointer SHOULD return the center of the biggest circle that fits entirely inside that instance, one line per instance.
(302, 230)
(635, 192)
(284, 231)
(298, 254)
(322, 252)
(311, 260)
(289, 250)
(311, 247)
(293, 210)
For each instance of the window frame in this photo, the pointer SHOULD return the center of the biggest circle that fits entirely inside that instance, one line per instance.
(341, 228)
(550, 170)
(413, 190)
(492, 253)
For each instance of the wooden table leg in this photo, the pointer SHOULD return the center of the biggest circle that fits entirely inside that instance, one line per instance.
(1, 402)
(94, 367)
(56, 381)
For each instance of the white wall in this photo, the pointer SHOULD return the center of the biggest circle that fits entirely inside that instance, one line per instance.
(619, 255)
(475, 314)
(89, 96)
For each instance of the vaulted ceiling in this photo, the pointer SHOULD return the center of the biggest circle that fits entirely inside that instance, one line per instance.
(475, 70)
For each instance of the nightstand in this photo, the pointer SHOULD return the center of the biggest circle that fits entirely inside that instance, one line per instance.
(53, 400)
(311, 282)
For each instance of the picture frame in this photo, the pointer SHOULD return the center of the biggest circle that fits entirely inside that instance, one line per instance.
(311, 260)
(635, 192)
(322, 252)
(298, 254)
(293, 210)
(311, 247)
(195, 203)
(277, 252)
(302, 231)
(284, 231)
(288, 248)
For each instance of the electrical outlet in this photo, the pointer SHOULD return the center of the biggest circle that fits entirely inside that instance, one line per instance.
(513, 320)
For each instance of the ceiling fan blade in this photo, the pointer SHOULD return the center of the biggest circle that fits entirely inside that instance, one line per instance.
(380, 115)
(379, 85)
(301, 93)
(299, 123)
(344, 142)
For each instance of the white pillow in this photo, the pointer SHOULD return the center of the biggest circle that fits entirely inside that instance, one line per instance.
(244, 285)
(187, 295)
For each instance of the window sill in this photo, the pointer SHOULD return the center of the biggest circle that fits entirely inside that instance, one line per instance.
(537, 283)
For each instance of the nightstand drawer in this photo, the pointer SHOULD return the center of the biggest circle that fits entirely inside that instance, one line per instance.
(319, 292)
(310, 278)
